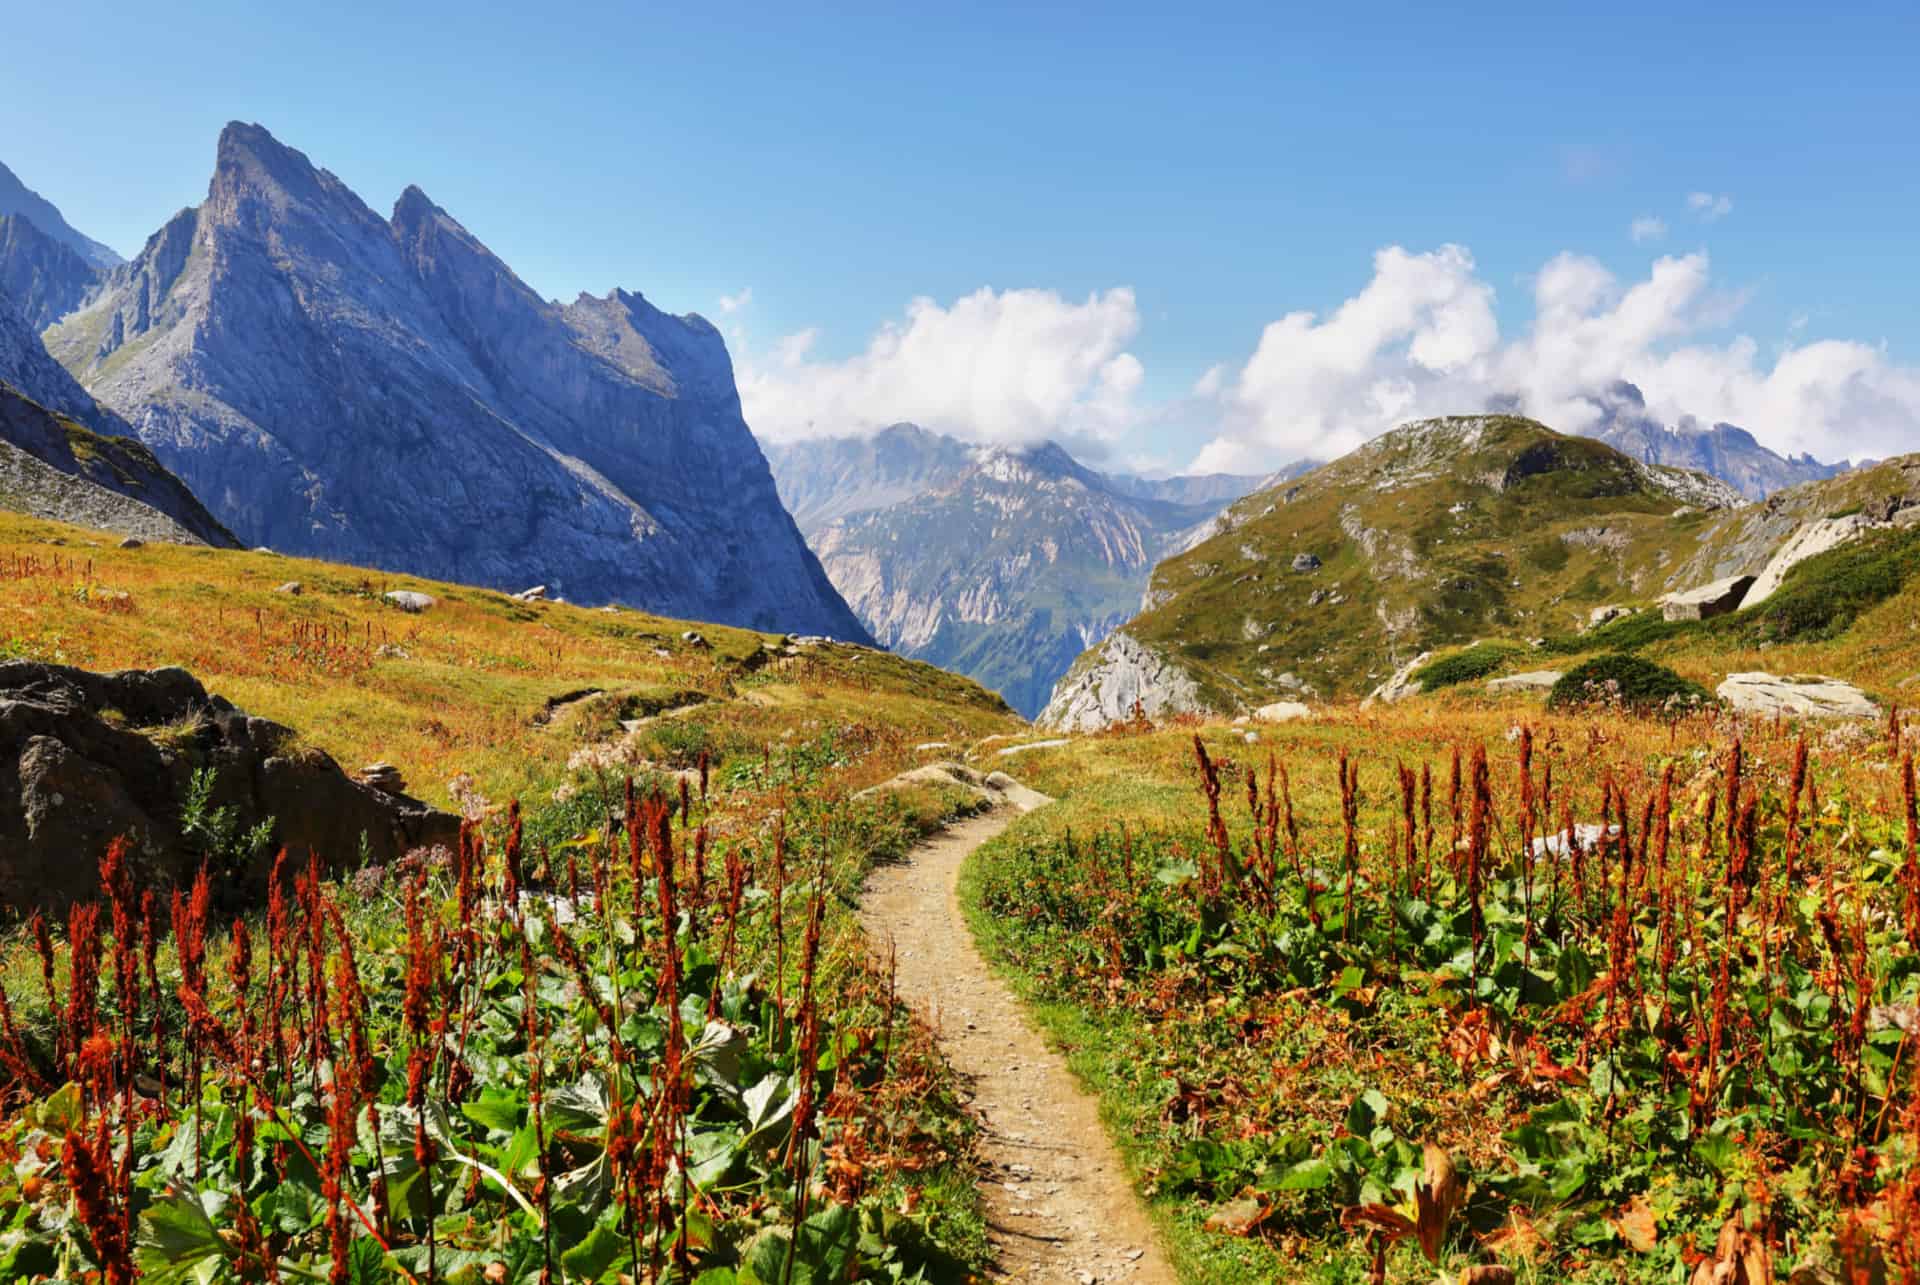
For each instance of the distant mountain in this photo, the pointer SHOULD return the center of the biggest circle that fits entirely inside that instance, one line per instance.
(17, 198)
(387, 392)
(1000, 564)
(1727, 452)
(1438, 532)
(44, 277)
(824, 480)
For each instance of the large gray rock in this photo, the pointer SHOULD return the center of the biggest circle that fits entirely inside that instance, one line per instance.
(1796, 696)
(1720, 598)
(387, 392)
(1537, 682)
(1283, 712)
(1401, 685)
(1814, 538)
(1109, 684)
(88, 758)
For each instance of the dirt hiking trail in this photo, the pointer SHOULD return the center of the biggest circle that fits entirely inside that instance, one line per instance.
(1058, 1203)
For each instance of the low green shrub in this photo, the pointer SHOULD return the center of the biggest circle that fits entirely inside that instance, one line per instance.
(1466, 665)
(1823, 596)
(1624, 680)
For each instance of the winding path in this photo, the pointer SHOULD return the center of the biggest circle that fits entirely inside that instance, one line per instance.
(1059, 1205)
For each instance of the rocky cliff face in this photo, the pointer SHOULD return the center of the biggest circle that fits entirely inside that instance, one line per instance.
(69, 459)
(45, 279)
(17, 198)
(1001, 564)
(1725, 451)
(387, 392)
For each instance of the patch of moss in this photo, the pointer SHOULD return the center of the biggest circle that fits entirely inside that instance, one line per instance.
(1624, 681)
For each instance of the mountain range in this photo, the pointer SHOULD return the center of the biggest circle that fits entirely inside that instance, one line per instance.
(999, 563)
(1438, 532)
(386, 391)
(1726, 451)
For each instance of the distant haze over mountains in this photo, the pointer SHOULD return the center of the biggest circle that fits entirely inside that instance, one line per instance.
(1000, 563)
(387, 392)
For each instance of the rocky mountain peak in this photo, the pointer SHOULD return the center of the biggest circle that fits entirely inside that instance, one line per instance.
(17, 198)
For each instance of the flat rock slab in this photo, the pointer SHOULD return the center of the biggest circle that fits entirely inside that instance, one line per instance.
(1796, 696)
(1059, 1205)
(1535, 682)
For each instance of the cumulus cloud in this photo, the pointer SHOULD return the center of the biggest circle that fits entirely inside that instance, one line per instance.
(732, 303)
(1421, 339)
(993, 366)
(1710, 206)
(1647, 228)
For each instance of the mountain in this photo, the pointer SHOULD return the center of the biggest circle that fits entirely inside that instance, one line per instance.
(1001, 564)
(1438, 532)
(1729, 453)
(17, 198)
(53, 467)
(824, 480)
(385, 391)
(43, 277)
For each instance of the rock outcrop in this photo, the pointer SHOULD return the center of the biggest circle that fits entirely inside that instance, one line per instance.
(386, 392)
(1537, 682)
(1116, 680)
(1720, 598)
(44, 278)
(1795, 696)
(53, 467)
(1402, 684)
(88, 758)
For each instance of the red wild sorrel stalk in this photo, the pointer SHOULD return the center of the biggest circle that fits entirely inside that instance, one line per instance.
(105, 1219)
(1477, 818)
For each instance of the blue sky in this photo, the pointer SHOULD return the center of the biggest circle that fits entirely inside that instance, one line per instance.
(1223, 165)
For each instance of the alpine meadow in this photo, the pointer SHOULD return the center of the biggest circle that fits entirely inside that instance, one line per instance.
(1215, 646)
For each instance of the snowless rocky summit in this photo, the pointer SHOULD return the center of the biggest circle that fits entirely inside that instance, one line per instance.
(387, 392)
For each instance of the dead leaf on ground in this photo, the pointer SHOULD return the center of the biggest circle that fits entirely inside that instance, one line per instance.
(1519, 1238)
(1637, 1226)
(1740, 1257)
(1487, 1274)
(1437, 1196)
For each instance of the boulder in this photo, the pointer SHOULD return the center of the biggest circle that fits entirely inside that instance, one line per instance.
(536, 594)
(384, 777)
(1401, 685)
(96, 757)
(132, 542)
(1306, 562)
(693, 638)
(408, 600)
(293, 587)
(1795, 696)
(1282, 712)
(1812, 538)
(1719, 598)
(1607, 615)
(1537, 682)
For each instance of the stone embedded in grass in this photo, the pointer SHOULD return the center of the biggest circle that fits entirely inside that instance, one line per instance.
(1535, 682)
(408, 600)
(1799, 695)
(293, 587)
(1282, 712)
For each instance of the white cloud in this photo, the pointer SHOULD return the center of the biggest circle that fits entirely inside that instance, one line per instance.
(995, 366)
(732, 303)
(1647, 228)
(1420, 339)
(1710, 206)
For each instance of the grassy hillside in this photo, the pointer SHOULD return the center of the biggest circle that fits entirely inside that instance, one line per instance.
(1440, 532)
(463, 687)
